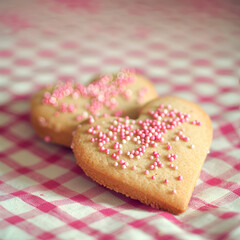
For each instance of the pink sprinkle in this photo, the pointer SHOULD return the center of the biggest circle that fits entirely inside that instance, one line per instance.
(169, 146)
(97, 127)
(119, 152)
(152, 167)
(47, 139)
(91, 120)
(75, 95)
(52, 100)
(154, 144)
(63, 107)
(196, 122)
(71, 108)
(116, 164)
(122, 161)
(180, 178)
(186, 139)
(153, 177)
(174, 191)
(124, 166)
(146, 172)
(134, 167)
(79, 117)
(148, 134)
(166, 181)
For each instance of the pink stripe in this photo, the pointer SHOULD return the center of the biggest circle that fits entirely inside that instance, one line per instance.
(228, 215)
(200, 46)
(202, 62)
(47, 53)
(25, 43)
(182, 88)
(225, 72)
(78, 224)
(35, 201)
(158, 62)
(5, 71)
(204, 79)
(14, 219)
(237, 166)
(23, 62)
(51, 184)
(237, 191)
(6, 53)
(136, 54)
(114, 61)
(69, 45)
(178, 54)
(46, 236)
(180, 71)
(214, 181)
(90, 69)
(157, 46)
(108, 212)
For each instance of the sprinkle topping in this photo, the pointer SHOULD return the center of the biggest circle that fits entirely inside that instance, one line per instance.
(145, 135)
(102, 92)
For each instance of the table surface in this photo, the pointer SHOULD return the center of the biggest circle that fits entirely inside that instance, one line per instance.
(189, 49)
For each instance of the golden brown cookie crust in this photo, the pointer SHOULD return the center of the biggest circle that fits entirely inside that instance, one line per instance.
(134, 183)
(57, 127)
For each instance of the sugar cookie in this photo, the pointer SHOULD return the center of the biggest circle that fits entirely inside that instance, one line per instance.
(155, 159)
(57, 110)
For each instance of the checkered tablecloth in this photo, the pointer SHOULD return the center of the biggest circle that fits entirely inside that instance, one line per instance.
(186, 48)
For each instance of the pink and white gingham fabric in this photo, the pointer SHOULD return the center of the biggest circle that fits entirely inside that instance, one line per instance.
(186, 48)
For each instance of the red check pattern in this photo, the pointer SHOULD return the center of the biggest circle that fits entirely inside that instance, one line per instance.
(188, 49)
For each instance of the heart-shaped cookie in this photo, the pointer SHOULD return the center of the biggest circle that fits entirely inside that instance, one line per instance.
(57, 110)
(156, 158)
